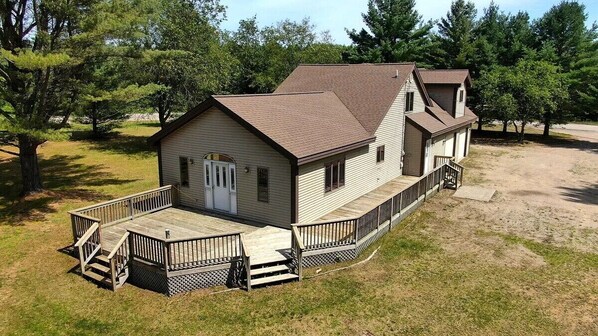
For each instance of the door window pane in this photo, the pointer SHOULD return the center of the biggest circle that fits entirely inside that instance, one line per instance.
(232, 179)
(208, 175)
(218, 176)
(223, 177)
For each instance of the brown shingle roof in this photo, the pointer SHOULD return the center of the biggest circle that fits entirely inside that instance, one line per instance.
(302, 126)
(446, 76)
(368, 90)
(436, 121)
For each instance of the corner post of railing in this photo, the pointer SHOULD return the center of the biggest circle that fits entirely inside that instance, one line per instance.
(400, 202)
(392, 209)
(426, 187)
(166, 250)
(74, 227)
(131, 247)
(130, 204)
(378, 216)
(461, 176)
(113, 273)
(356, 221)
(81, 258)
(100, 238)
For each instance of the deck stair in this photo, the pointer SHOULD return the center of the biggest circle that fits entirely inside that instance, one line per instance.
(271, 261)
(272, 271)
(98, 271)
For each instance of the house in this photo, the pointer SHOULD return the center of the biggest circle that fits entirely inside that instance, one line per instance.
(323, 162)
(328, 135)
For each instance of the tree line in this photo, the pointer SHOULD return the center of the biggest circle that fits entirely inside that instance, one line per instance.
(99, 61)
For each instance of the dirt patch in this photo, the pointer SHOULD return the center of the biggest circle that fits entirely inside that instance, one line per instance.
(545, 193)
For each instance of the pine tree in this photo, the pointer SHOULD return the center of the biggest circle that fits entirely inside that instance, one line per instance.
(45, 45)
(456, 35)
(395, 33)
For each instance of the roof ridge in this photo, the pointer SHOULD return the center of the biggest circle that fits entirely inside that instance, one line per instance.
(424, 69)
(269, 94)
(356, 64)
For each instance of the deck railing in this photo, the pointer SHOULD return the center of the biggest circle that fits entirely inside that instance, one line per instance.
(89, 245)
(119, 260)
(439, 160)
(459, 168)
(185, 253)
(352, 231)
(124, 208)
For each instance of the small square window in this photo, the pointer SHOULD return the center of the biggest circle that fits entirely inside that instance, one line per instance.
(380, 154)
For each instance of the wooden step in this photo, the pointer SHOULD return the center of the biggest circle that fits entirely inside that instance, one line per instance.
(100, 268)
(269, 259)
(270, 269)
(103, 258)
(98, 278)
(274, 279)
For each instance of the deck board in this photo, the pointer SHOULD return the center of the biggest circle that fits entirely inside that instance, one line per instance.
(372, 199)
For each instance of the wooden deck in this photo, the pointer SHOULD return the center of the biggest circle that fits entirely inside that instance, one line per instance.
(372, 199)
(265, 243)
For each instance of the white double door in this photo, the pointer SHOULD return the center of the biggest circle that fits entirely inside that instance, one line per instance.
(220, 186)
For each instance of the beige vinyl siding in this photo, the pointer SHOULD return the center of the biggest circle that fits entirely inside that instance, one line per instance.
(439, 147)
(214, 131)
(449, 145)
(444, 95)
(362, 173)
(460, 144)
(411, 85)
(461, 105)
(468, 139)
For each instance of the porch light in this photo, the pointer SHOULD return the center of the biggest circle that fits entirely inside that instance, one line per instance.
(191, 161)
(246, 169)
(167, 233)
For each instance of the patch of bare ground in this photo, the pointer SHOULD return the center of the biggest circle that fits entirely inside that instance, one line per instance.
(548, 194)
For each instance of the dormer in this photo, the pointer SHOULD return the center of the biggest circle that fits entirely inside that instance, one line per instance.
(448, 88)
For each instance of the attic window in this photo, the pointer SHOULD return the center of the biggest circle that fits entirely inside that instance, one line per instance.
(409, 97)
(460, 96)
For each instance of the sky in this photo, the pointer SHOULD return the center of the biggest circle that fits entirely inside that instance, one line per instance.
(336, 15)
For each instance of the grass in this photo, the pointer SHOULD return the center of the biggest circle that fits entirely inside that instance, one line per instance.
(413, 286)
(587, 122)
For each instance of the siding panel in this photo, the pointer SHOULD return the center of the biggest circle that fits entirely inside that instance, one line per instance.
(214, 131)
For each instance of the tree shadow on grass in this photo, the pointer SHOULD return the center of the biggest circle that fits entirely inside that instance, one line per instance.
(117, 143)
(585, 195)
(498, 138)
(64, 179)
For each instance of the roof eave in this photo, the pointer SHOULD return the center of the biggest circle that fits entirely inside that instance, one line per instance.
(334, 151)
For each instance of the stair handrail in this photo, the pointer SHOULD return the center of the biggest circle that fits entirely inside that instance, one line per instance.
(246, 255)
(458, 167)
(116, 265)
(86, 251)
(298, 247)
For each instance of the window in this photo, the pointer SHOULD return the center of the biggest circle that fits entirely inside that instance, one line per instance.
(409, 97)
(380, 154)
(262, 184)
(334, 175)
(233, 187)
(184, 171)
(461, 95)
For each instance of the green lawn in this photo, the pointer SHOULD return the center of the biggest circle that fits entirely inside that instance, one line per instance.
(411, 286)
